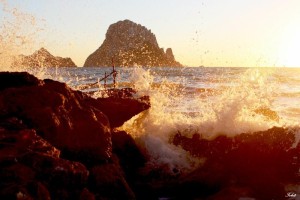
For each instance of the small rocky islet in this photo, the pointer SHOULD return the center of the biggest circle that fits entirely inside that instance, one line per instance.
(42, 58)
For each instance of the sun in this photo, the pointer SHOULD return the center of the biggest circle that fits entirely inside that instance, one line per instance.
(289, 50)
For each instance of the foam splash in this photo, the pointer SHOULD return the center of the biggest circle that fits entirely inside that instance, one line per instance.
(234, 111)
(243, 107)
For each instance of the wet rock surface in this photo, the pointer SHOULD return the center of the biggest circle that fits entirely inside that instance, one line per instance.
(57, 143)
(124, 108)
(61, 116)
(257, 165)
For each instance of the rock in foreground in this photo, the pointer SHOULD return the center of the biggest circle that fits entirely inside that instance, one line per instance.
(55, 144)
(120, 106)
(58, 114)
(260, 165)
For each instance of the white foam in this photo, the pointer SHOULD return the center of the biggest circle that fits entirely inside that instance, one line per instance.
(229, 112)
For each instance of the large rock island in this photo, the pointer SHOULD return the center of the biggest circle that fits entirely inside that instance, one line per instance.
(130, 44)
(42, 58)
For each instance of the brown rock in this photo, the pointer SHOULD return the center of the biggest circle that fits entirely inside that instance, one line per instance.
(107, 181)
(119, 110)
(18, 142)
(56, 172)
(18, 79)
(258, 162)
(31, 167)
(42, 122)
(130, 156)
(86, 195)
(62, 116)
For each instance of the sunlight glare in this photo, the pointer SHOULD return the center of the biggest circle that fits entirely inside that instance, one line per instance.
(290, 48)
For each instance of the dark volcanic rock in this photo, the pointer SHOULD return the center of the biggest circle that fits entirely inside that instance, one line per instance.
(42, 58)
(130, 156)
(119, 111)
(60, 115)
(108, 181)
(30, 166)
(18, 79)
(130, 44)
(46, 128)
(251, 164)
(121, 105)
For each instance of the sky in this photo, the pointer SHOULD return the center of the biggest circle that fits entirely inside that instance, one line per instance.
(231, 33)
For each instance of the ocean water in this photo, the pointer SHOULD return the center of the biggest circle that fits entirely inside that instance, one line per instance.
(200, 91)
(210, 101)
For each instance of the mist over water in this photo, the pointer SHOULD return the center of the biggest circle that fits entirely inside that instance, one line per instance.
(19, 35)
(207, 101)
(211, 102)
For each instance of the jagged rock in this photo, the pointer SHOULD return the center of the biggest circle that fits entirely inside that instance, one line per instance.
(119, 110)
(130, 44)
(14, 142)
(107, 181)
(56, 172)
(61, 116)
(42, 58)
(46, 128)
(86, 195)
(130, 156)
(31, 167)
(70, 120)
(169, 54)
(18, 79)
(120, 105)
(251, 164)
(17, 179)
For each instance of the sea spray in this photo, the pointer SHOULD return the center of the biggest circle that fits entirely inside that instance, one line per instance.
(227, 111)
(19, 34)
(233, 111)
(153, 128)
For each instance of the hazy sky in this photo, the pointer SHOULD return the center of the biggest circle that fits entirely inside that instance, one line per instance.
(200, 32)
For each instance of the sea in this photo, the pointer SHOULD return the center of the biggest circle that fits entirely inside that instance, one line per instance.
(212, 101)
(208, 101)
(227, 94)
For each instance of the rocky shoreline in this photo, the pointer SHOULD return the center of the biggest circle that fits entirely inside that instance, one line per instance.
(57, 143)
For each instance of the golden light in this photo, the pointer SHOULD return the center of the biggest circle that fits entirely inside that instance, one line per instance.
(289, 52)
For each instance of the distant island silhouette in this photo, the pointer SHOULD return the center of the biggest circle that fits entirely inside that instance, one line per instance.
(130, 44)
(42, 58)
